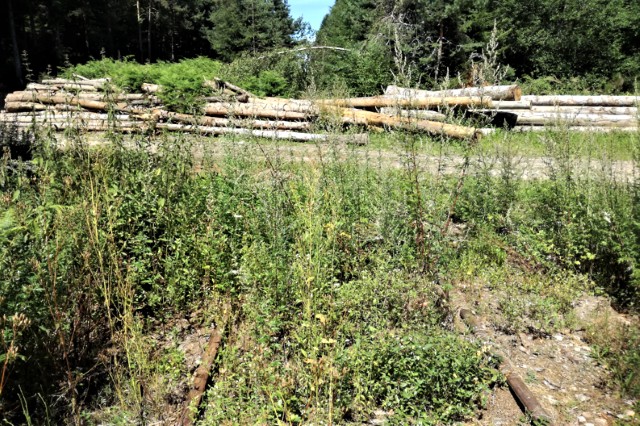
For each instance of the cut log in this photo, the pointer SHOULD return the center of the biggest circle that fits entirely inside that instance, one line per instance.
(8, 117)
(612, 110)
(252, 110)
(234, 88)
(41, 87)
(61, 99)
(510, 105)
(226, 122)
(502, 93)
(518, 387)
(17, 106)
(568, 100)
(358, 139)
(282, 104)
(597, 120)
(422, 114)
(98, 82)
(595, 129)
(368, 118)
(422, 102)
(150, 88)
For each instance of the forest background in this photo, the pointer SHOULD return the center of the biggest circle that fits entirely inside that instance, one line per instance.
(551, 45)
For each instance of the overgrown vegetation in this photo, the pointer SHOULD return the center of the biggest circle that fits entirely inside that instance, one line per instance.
(334, 275)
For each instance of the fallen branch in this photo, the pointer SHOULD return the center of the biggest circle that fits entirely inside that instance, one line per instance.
(201, 376)
(518, 387)
(302, 49)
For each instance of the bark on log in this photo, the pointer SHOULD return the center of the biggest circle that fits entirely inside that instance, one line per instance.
(17, 106)
(356, 116)
(234, 88)
(569, 100)
(502, 93)
(415, 103)
(200, 378)
(519, 388)
(61, 99)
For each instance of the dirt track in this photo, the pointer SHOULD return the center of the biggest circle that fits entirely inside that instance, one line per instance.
(522, 167)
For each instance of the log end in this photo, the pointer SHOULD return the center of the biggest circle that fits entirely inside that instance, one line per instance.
(517, 93)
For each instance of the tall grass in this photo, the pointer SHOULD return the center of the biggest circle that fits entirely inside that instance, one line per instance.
(336, 270)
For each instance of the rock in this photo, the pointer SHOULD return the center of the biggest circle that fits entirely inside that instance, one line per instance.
(581, 419)
(600, 422)
(582, 398)
(558, 337)
(629, 413)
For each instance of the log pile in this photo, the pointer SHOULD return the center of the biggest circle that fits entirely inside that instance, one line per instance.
(508, 107)
(97, 105)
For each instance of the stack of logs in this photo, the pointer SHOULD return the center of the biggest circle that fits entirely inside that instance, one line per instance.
(96, 105)
(535, 113)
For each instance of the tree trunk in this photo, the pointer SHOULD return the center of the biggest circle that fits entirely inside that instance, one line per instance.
(139, 19)
(17, 64)
(149, 34)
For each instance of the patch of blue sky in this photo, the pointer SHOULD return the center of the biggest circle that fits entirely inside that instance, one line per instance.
(312, 11)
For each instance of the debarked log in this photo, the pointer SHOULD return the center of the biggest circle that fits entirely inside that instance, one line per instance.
(17, 106)
(357, 139)
(415, 103)
(52, 115)
(502, 93)
(572, 119)
(570, 100)
(62, 99)
(249, 123)
(422, 114)
(253, 110)
(356, 116)
(611, 110)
